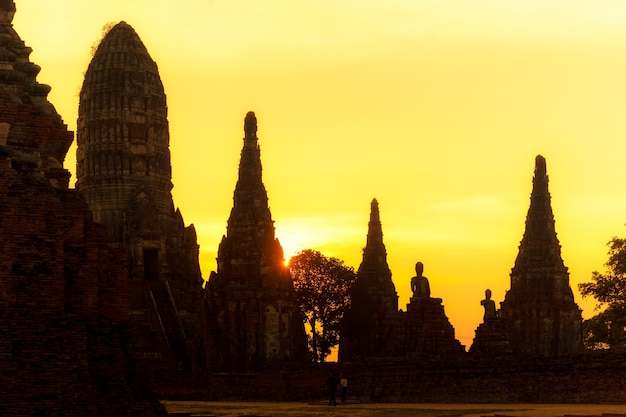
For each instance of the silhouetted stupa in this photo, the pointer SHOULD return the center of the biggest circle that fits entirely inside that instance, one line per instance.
(63, 289)
(124, 172)
(539, 314)
(370, 323)
(251, 318)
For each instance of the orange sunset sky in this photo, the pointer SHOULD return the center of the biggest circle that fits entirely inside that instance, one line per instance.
(437, 108)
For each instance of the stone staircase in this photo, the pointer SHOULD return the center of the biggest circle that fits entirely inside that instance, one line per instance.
(165, 309)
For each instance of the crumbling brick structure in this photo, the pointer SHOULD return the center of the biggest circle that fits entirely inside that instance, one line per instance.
(250, 316)
(124, 172)
(64, 347)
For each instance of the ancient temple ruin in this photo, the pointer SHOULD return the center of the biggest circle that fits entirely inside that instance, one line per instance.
(538, 315)
(63, 288)
(373, 327)
(124, 173)
(250, 316)
(370, 325)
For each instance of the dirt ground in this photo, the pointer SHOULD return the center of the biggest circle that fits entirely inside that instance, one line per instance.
(318, 409)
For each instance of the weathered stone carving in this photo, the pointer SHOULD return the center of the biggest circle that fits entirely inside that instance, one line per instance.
(124, 172)
(250, 316)
(63, 288)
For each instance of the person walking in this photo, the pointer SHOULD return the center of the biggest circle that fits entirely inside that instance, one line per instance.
(343, 383)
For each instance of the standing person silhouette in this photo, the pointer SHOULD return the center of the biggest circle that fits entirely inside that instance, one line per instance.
(343, 383)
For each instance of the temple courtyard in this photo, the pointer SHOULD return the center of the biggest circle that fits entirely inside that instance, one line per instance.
(320, 408)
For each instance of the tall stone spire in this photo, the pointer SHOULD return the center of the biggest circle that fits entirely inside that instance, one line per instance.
(374, 270)
(250, 188)
(250, 231)
(251, 318)
(369, 324)
(374, 252)
(250, 234)
(539, 248)
(124, 172)
(539, 310)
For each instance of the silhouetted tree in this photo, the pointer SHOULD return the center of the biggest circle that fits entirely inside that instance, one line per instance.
(323, 292)
(606, 329)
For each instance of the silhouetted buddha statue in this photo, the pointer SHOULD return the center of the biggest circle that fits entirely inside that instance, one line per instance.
(420, 286)
(419, 283)
(489, 305)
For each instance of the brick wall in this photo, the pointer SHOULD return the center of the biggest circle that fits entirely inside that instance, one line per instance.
(63, 308)
(578, 378)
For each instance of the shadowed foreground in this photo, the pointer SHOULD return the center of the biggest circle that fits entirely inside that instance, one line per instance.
(257, 409)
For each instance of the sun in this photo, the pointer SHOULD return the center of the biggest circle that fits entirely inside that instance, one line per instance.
(293, 241)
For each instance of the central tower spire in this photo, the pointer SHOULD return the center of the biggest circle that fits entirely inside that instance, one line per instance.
(251, 316)
(250, 234)
(250, 197)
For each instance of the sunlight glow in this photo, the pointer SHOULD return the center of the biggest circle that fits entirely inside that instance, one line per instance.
(293, 241)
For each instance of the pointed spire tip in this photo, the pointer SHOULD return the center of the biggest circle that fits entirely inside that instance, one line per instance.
(374, 212)
(540, 166)
(249, 125)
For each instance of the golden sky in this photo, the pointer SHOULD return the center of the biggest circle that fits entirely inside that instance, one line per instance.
(437, 108)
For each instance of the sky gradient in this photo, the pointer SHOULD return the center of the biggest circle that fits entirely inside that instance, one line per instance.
(436, 108)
